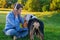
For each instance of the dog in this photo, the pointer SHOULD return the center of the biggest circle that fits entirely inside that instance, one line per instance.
(35, 26)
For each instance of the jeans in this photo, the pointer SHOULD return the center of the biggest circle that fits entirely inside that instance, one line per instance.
(13, 32)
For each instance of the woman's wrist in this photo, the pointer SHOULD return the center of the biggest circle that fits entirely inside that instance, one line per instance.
(16, 16)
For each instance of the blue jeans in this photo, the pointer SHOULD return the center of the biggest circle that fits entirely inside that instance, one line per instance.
(13, 32)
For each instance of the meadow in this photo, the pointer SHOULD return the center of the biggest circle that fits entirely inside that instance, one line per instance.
(51, 25)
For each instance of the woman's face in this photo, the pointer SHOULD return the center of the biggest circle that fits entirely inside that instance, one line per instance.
(19, 10)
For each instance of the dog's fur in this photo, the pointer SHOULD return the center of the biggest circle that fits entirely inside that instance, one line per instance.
(35, 26)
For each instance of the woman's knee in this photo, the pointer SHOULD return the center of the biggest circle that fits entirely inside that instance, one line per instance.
(10, 32)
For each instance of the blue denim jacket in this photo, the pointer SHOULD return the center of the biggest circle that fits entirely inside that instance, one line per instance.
(13, 23)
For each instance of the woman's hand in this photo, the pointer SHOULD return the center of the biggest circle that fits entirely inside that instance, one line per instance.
(16, 16)
(15, 13)
(25, 24)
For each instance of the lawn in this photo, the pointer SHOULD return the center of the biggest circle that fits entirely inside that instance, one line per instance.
(51, 27)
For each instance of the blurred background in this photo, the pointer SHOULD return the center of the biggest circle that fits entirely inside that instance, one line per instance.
(33, 5)
(46, 10)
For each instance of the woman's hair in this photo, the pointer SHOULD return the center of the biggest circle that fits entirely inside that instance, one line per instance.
(17, 6)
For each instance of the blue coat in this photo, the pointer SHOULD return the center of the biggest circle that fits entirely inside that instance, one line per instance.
(14, 23)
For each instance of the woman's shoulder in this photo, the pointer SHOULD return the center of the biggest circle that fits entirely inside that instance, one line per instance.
(10, 14)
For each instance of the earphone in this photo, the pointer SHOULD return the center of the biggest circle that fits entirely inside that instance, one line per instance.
(15, 7)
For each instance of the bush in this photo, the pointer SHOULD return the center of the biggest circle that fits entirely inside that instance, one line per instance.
(36, 5)
(23, 2)
(55, 5)
(10, 2)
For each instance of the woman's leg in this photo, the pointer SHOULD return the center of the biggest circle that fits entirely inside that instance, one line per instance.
(23, 33)
(11, 32)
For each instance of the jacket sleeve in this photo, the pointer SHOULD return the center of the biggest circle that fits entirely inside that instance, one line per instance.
(22, 20)
(11, 20)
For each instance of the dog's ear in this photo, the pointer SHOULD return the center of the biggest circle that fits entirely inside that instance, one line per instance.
(31, 16)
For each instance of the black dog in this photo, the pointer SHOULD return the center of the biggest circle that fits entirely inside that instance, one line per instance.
(38, 30)
(35, 26)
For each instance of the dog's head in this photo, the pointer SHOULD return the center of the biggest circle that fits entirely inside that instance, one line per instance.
(28, 17)
(34, 24)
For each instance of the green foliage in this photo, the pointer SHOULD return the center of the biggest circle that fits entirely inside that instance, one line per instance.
(27, 5)
(37, 5)
(33, 5)
(45, 8)
(42, 5)
(10, 2)
(2, 3)
(55, 5)
(23, 2)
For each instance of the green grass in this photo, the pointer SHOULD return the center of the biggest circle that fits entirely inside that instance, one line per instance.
(51, 27)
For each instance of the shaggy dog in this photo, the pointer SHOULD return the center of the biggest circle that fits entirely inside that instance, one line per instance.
(35, 26)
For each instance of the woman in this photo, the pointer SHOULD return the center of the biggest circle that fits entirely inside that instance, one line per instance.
(13, 20)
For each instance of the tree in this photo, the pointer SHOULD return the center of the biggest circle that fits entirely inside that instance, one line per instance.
(32, 5)
(10, 2)
(23, 2)
(2, 3)
(37, 5)
(55, 5)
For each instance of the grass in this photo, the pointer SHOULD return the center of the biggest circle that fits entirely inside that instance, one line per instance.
(51, 26)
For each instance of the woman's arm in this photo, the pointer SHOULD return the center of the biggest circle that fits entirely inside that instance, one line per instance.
(22, 20)
(11, 20)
